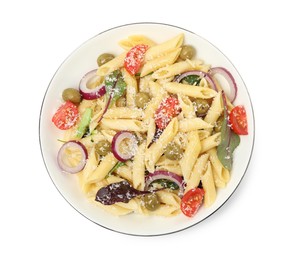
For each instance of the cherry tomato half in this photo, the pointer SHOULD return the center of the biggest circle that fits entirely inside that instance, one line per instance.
(238, 120)
(66, 116)
(134, 58)
(191, 201)
(168, 109)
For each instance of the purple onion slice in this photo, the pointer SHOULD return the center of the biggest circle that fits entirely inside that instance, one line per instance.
(92, 86)
(199, 73)
(229, 78)
(72, 157)
(165, 175)
(124, 145)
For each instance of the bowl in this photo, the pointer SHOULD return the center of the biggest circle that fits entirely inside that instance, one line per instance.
(82, 60)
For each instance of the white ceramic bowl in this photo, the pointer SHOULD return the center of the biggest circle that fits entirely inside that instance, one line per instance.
(82, 60)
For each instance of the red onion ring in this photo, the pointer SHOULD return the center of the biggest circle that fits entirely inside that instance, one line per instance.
(62, 156)
(171, 176)
(229, 78)
(199, 73)
(88, 92)
(116, 145)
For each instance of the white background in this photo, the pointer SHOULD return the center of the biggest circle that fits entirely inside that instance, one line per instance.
(37, 223)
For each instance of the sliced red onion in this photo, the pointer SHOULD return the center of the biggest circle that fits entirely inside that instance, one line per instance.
(229, 78)
(199, 73)
(91, 87)
(72, 157)
(161, 175)
(122, 149)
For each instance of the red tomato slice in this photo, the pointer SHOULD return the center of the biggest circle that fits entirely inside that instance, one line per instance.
(66, 116)
(134, 58)
(238, 120)
(168, 109)
(191, 201)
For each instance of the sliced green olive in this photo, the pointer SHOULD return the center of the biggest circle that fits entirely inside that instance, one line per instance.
(103, 147)
(141, 99)
(104, 58)
(72, 95)
(201, 106)
(151, 201)
(173, 151)
(187, 52)
(218, 124)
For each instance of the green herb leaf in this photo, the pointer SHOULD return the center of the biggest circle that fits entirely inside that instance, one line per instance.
(117, 165)
(115, 85)
(191, 80)
(84, 124)
(229, 141)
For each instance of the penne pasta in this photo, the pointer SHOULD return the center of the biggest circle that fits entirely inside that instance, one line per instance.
(208, 185)
(189, 90)
(160, 62)
(154, 152)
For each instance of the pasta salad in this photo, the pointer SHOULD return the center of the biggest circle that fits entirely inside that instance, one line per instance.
(151, 130)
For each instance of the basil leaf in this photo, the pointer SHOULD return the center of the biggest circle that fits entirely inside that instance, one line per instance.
(115, 85)
(191, 80)
(229, 141)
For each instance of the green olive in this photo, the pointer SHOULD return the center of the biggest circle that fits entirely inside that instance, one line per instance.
(187, 52)
(201, 106)
(104, 58)
(103, 147)
(173, 151)
(121, 102)
(71, 94)
(151, 201)
(141, 99)
(218, 124)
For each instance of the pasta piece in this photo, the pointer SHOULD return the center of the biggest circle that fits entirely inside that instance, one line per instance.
(134, 40)
(123, 124)
(125, 172)
(199, 65)
(220, 173)
(151, 131)
(160, 62)
(112, 65)
(165, 80)
(106, 164)
(190, 154)
(144, 83)
(186, 106)
(154, 152)
(169, 198)
(197, 172)
(115, 209)
(210, 142)
(187, 125)
(203, 134)
(131, 88)
(164, 48)
(208, 186)
(190, 90)
(155, 88)
(108, 134)
(154, 104)
(166, 211)
(172, 70)
(139, 168)
(124, 113)
(215, 110)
